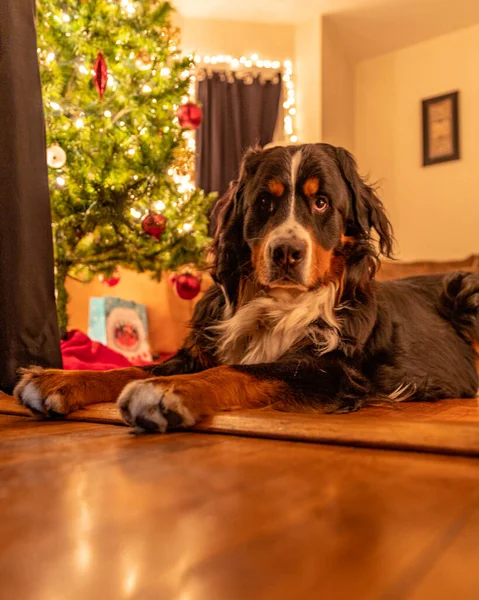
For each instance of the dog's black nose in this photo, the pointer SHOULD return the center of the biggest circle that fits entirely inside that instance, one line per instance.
(289, 254)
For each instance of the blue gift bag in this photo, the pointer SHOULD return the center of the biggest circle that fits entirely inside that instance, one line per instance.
(122, 325)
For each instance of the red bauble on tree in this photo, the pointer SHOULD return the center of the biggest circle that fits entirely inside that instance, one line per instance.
(110, 280)
(190, 115)
(187, 286)
(187, 283)
(100, 76)
(154, 224)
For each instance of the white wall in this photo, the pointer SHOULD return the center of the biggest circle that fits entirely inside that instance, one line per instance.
(435, 209)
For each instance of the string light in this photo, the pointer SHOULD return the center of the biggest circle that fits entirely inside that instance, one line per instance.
(79, 123)
(50, 57)
(165, 71)
(187, 227)
(288, 125)
(160, 205)
(255, 61)
(146, 89)
(55, 105)
(83, 70)
(60, 181)
(128, 6)
(65, 18)
(135, 213)
(107, 113)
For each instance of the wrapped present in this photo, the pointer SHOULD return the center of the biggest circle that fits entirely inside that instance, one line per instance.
(122, 325)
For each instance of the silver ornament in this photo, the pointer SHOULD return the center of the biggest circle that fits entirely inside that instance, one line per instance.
(56, 156)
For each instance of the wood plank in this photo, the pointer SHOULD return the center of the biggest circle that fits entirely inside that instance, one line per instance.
(448, 426)
(452, 574)
(89, 512)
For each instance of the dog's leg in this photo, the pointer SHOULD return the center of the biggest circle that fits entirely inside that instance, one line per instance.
(55, 393)
(162, 403)
(329, 384)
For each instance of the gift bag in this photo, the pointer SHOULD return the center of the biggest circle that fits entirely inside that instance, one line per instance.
(122, 325)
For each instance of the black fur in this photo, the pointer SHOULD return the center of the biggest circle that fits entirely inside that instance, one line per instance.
(416, 334)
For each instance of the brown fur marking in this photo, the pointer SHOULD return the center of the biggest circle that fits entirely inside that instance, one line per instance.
(79, 388)
(311, 186)
(222, 388)
(347, 239)
(258, 259)
(475, 345)
(276, 187)
(320, 263)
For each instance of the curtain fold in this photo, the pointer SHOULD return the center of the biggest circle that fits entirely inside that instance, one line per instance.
(28, 321)
(238, 112)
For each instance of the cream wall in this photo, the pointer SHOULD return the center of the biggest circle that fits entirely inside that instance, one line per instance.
(308, 80)
(337, 93)
(168, 315)
(435, 209)
(206, 36)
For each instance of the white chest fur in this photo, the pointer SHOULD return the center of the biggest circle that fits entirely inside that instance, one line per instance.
(266, 327)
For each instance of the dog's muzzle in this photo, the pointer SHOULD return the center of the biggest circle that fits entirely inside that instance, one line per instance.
(286, 261)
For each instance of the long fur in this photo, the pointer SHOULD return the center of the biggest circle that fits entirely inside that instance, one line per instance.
(295, 317)
(268, 326)
(350, 340)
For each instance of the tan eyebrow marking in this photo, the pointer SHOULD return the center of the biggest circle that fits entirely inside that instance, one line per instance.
(276, 187)
(311, 186)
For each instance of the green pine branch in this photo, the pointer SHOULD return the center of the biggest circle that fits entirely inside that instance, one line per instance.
(125, 153)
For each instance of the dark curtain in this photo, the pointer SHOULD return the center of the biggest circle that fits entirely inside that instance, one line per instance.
(237, 113)
(28, 322)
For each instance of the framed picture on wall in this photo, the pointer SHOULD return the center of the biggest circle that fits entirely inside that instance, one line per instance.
(440, 129)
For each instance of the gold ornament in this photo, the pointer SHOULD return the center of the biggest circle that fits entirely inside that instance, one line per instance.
(143, 60)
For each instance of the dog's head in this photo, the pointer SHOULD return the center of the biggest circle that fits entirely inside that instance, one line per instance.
(288, 216)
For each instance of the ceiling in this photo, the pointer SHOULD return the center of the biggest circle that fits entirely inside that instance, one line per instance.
(367, 27)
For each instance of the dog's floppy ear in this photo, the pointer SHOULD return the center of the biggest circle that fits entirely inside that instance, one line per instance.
(367, 210)
(232, 254)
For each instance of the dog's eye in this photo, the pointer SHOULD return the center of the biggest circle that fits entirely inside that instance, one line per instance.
(267, 204)
(321, 204)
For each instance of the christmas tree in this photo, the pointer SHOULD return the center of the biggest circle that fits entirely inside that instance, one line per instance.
(120, 120)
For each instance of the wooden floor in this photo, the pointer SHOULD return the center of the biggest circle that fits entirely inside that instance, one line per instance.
(89, 511)
(446, 427)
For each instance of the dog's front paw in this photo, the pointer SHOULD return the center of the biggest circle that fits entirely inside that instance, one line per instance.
(153, 405)
(49, 393)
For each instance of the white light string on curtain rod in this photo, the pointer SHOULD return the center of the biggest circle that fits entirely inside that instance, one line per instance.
(286, 68)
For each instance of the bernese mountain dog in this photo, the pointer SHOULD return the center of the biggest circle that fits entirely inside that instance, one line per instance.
(295, 318)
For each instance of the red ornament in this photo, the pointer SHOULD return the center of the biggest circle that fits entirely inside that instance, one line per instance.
(111, 280)
(100, 77)
(190, 115)
(154, 224)
(187, 286)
